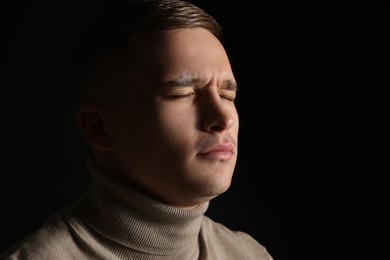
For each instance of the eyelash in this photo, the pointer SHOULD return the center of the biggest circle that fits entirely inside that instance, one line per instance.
(178, 96)
(230, 98)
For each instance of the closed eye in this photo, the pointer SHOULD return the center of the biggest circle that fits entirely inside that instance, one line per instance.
(229, 97)
(179, 96)
(228, 94)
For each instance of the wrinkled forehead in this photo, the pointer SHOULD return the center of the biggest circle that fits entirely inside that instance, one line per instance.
(173, 57)
(194, 51)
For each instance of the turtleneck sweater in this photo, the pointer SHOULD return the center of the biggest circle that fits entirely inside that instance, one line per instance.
(113, 221)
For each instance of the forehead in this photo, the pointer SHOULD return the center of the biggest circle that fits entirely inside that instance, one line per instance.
(193, 52)
(186, 57)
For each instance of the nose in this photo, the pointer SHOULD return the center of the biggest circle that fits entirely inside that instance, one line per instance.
(217, 114)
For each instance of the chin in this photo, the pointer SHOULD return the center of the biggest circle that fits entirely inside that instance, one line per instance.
(219, 186)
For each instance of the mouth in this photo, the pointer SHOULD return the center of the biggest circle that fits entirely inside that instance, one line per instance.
(219, 151)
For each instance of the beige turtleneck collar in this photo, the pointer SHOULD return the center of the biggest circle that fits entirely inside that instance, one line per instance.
(126, 222)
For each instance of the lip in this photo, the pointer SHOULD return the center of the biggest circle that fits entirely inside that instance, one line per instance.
(219, 151)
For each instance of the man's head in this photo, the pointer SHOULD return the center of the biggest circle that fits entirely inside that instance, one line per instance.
(157, 100)
(119, 37)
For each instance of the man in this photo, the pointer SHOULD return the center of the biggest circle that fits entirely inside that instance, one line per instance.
(157, 108)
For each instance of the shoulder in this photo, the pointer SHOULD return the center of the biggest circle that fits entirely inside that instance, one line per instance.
(236, 243)
(50, 241)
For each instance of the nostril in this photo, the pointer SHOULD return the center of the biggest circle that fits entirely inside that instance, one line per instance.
(216, 128)
(219, 123)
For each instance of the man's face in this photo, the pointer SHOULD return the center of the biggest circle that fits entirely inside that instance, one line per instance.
(175, 133)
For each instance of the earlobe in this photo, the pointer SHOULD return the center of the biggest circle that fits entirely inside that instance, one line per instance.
(92, 125)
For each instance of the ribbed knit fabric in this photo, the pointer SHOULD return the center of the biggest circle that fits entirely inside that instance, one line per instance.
(140, 224)
(112, 221)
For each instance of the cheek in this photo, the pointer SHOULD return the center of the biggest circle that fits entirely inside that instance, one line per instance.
(176, 121)
(177, 128)
(132, 127)
(236, 121)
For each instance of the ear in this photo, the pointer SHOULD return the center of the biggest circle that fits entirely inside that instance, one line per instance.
(92, 125)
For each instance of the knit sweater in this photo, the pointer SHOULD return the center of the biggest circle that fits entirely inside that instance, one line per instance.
(112, 221)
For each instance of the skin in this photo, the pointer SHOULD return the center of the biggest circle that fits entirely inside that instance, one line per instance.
(174, 107)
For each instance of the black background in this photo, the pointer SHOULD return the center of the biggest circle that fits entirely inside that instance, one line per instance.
(310, 179)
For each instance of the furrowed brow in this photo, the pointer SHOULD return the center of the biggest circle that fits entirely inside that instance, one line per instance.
(183, 82)
(229, 85)
(189, 82)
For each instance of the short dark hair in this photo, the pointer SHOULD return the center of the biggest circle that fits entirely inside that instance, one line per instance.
(124, 27)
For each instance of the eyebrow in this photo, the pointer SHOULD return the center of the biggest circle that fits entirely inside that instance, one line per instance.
(189, 82)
